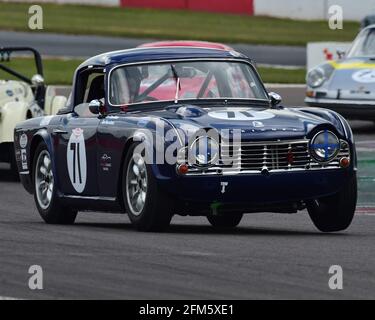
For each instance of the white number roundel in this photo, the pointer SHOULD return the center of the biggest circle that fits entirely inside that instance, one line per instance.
(237, 114)
(76, 158)
(364, 76)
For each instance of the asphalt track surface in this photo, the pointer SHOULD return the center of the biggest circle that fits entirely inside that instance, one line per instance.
(85, 46)
(102, 257)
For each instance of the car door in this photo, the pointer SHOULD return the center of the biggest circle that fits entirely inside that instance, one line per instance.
(77, 139)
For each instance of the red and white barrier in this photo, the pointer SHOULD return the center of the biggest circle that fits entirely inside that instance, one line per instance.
(293, 9)
(233, 6)
(313, 10)
(226, 6)
(110, 3)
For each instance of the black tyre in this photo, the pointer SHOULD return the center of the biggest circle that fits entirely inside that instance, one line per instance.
(336, 212)
(225, 221)
(148, 208)
(45, 196)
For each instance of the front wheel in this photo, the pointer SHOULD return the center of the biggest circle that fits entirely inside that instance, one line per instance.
(225, 221)
(148, 207)
(336, 212)
(47, 202)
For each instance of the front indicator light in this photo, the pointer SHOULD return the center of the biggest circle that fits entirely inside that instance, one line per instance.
(183, 169)
(344, 162)
(310, 94)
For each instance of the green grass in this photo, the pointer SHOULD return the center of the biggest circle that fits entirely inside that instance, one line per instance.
(173, 24)
(366, 177)
(58, 71)
(277, 75)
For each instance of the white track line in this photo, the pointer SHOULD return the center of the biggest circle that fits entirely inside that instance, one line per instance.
(285, 85)
(368, 210)
(279, 66)
(8, 298)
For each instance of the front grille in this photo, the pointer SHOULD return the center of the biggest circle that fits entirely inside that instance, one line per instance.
(270, 156)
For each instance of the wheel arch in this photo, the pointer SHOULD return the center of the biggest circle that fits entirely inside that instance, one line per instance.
(124, 153)
(40, 137)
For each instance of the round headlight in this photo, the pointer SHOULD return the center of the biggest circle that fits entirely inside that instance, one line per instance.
(324, 146)
(204, 151)
(317, 76)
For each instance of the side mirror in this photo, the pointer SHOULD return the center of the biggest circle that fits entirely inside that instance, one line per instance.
(37, 80)
(275, 98)
(95, 106)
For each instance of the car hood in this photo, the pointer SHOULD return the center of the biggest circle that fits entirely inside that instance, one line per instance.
(255, 123)
(356, 74)
(12, 91)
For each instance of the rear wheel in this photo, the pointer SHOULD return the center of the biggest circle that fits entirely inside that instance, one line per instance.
(225, 221)
(46, 200)
(148, 207)
(336, 212)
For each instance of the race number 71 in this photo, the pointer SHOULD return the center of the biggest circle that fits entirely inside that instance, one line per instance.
(76, 160)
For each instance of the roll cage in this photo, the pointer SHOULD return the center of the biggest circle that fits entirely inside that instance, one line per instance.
(6, 55)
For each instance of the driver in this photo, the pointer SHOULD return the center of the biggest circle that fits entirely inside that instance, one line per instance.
(134, 78)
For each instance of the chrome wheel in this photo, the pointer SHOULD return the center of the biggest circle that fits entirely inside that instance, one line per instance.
(136, 184)
(44, 181)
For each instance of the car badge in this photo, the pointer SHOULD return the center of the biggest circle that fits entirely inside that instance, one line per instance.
(258, 124)
(223, 185)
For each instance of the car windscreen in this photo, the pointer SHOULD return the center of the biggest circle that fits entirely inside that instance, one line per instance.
(364, 44)
(184, 80)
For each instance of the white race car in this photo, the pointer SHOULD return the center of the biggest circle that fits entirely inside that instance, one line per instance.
(347, 85)
(22, 98)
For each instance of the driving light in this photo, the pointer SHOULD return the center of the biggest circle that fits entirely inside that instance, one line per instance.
(204, 151)
(325, 146)
(183, 168)
(317, 76)
(344, 162)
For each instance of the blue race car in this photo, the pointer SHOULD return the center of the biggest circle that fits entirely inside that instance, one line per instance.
(154, 132)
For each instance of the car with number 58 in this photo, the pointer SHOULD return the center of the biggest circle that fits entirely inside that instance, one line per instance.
(160, 131)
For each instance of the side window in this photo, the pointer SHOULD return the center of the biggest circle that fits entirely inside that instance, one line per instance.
(90, 87)
(119, 88)
(95, 87)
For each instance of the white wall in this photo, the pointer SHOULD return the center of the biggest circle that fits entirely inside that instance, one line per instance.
(313, 9)
(315, 51)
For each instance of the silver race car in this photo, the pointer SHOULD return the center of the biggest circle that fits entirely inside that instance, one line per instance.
(347, 85)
